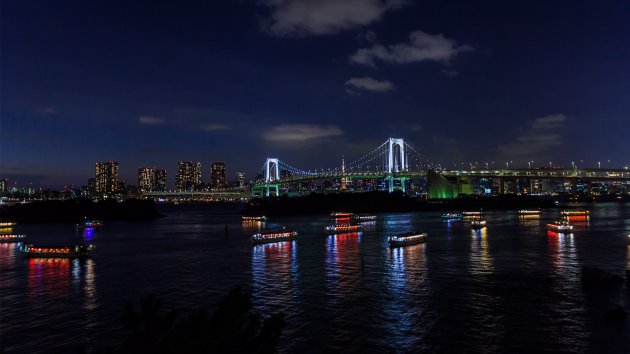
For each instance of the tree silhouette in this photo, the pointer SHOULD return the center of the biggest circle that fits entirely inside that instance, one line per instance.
(234, 327)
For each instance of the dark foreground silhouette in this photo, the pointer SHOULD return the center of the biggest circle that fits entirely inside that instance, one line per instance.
(372, 202)
(234, 327)
(75, 210)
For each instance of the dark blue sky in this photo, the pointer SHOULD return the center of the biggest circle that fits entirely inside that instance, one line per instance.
(149, 84)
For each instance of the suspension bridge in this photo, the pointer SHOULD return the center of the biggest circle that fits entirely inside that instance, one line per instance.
(389, 161)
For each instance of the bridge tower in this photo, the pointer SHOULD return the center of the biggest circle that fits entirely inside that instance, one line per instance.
(396, 163)
(272, 174)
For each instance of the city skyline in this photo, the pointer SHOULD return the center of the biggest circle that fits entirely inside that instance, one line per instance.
(461, 82)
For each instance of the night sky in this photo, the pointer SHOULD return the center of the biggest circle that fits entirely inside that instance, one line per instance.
(152, 83)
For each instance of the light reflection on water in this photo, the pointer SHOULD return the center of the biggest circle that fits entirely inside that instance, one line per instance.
(480, 257)
(462, 291)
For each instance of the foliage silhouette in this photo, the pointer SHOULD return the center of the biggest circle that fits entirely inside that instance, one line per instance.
(234, 327)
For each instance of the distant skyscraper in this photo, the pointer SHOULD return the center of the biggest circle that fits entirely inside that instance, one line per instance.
(160, 180)
(240, 179)
(3, 185)
(217, 175)
(106, 178)
(188, 176)
(146, 179)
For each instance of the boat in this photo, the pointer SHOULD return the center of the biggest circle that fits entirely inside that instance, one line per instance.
(452, 215)
(90, 224)
(341, 214)
(575, 213)
(6, 238)
(365, 217)
(528, 212)
(254, 218)
(75, 251)
(269, 237)
(408, 239)
(478, 223)
(469, 214)
(7, 224)
(560, 226)
(340, 229)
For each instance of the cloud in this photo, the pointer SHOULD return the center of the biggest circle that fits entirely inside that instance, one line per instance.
(549, 122)
(370, 84)
(542, 135)
(317, 17)
(151, 120)
(421, 47)
(214, 127)
(450, 72)
(301, 132)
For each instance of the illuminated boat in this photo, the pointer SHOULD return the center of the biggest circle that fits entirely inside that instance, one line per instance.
(472, 213)
(341, 229)
(90, 224)
(570, 213)
(560, 226)
(341, 214)
(7, 224)
(254, 218)
(408, 239)
(528, 212)
(452, 215)
(478, 223)
(6, 238)
(76, 251)
(365, 217)
(269, 237)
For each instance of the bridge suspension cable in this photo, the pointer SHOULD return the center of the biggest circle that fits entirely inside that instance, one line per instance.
(369, 157)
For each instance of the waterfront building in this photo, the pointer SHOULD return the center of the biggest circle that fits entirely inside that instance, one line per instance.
(217, 175)
(160, 181)
(240, 179)
(106, 178)
(188, 176)
(146, 179)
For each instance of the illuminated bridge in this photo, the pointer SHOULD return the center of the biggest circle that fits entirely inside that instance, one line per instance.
(395, 161)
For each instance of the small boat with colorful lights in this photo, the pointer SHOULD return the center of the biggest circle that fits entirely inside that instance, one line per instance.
(478, 224)
(408, 239)
(469, 214)
(526, 212)
(365, 217)
(90, 224)
(560, 226)
(340, 215)
(75, 251)
(254, 218)
(7, 238)
(452, 215)
(6, 224)
(342, 229)
(270, 237)
(575, 212)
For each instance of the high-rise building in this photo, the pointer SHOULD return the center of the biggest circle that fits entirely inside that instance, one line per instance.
(3, 185)
(160, 180)
(188, 176)
(217, 175)
(146, 179)
(106, 178)
(240, 179)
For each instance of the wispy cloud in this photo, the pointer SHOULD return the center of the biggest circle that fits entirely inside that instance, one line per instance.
(421, 47)
(316, 17)
(542, 135)
(370, 84)
(151, 120)
(301, 132)
(48, 110)
(211, 127)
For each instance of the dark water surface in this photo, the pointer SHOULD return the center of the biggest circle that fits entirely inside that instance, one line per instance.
(512, 287)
